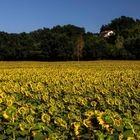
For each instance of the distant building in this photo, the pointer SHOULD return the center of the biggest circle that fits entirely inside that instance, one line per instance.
(107, 33)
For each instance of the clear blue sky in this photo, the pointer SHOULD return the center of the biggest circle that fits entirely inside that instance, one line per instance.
(28, 15)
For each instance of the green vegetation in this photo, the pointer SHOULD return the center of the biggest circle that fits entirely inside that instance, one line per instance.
(69, 42)
(70, 100)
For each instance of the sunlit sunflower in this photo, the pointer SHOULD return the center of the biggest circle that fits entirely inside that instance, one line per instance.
(87, 122)
(101, 120)
(5, 115)
(76, 128)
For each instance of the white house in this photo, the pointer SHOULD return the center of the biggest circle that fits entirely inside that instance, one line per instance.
(107, 33)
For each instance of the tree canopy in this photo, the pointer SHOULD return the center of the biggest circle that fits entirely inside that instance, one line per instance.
(69, 42)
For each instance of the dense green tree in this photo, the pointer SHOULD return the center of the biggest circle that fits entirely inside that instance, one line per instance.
(89, 49)
(119, 24)
(124, 44)
(69, 42)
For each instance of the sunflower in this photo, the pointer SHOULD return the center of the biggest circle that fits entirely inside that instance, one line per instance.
(21, 127)
(1, 100)
(45, 118)
(87, 122)
(5, 115)
(89, 113)
(59, 121)
(130, 138)
(101, 120)
(30, 119)
(9, 102)
(76, 128)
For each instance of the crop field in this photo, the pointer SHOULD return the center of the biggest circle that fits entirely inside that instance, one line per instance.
(97, 100)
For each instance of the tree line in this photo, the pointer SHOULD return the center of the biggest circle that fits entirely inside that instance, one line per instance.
(69, 42)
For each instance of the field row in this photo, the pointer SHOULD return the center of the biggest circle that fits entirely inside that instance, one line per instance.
(70, 100)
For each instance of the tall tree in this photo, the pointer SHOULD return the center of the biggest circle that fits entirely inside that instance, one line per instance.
(119, 42)
(79, 47)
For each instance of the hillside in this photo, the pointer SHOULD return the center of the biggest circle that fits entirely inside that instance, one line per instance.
(69, 42)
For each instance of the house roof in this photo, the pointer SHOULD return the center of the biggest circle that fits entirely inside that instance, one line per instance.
(107, 33)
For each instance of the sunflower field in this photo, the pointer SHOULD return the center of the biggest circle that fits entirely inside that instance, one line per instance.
(97, 100)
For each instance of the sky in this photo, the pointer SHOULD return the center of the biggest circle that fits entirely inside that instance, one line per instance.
(28, 15)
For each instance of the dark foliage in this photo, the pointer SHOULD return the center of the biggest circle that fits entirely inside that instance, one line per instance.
(60, 43)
